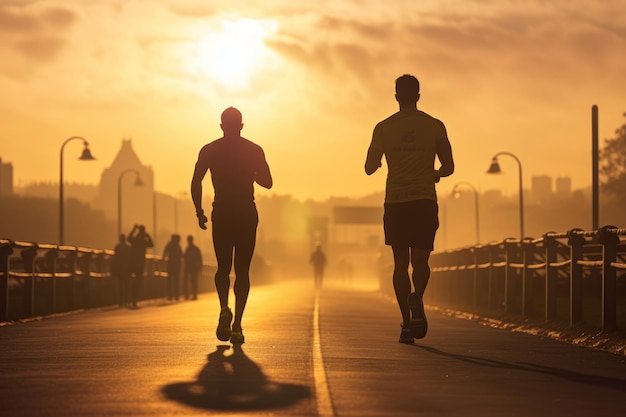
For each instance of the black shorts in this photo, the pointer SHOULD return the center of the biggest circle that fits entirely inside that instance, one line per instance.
(234, 226)
(411, 224)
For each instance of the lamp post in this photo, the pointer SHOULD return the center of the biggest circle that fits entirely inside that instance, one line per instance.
(595, 181)
(455, 193)
(495, 169)
(85, 156)
(138, 183)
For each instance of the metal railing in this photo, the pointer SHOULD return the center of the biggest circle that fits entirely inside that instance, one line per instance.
(43, 279)
(578, 276)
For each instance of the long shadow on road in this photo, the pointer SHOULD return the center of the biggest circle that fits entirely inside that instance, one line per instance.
(579, 377)
(234, 382)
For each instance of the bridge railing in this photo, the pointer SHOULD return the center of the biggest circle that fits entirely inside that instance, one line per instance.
(578, 276)
(43, 279)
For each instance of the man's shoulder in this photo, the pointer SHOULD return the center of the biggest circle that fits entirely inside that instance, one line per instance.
(230, 142)
(213, 144)
(430, 117)
(248, 143)
(388, 120)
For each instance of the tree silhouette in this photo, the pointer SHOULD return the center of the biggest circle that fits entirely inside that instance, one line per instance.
(613, 164)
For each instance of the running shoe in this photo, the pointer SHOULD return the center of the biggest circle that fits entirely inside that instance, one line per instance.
(223, 331)
(419, 324)
(405, 335)
(237, 337)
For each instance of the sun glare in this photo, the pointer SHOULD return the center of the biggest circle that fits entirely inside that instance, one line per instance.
(232, 55)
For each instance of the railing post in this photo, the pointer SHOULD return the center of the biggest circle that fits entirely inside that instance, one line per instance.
(511, 249)
(474, 252)
(527, 277)
(71, 267)
(52, 256)
(550, 245)
(99, 281)
(28, 256)
(576, 242)
(6, 249)
(609, 241)
(86, 267)
(493, 258)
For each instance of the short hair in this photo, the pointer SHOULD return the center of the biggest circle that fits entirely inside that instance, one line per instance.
(407, 88)
(231, 117)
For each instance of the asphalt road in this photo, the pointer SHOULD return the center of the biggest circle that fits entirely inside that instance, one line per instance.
(332, 354)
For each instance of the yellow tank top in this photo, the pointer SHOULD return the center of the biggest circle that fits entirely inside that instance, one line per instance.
(408, 139)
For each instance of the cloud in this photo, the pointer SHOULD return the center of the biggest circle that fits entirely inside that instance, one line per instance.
(40, 49)
(32, 21)
(31, 36)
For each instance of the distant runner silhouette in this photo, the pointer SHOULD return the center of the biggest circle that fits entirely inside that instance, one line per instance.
(319, 261)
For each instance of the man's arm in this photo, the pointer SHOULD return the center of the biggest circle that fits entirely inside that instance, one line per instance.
(196, 190)
(373, 160)
(444, 154)
(262, 175)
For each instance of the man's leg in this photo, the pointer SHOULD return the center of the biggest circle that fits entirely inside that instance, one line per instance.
(243, 258)
(420, 276)
(401, 282)
(186, 283)
(224, 256)
(176, 284)
(194, 285)
(170, 284)
(421, 270)
(136, 285)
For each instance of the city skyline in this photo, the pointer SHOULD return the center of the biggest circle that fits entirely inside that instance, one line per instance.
(311, 84)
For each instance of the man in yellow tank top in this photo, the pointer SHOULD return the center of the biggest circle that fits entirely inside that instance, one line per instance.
(410, 140)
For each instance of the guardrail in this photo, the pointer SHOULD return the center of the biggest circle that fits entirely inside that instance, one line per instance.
(579, 276)
(43, 279)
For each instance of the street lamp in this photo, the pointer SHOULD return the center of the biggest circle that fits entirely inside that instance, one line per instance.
(138, 183)
(495, 169)
(85, 156)
(455, 193)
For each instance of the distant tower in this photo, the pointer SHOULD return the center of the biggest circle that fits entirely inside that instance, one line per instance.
(563, 187)
(137, 201)
(541, 190)
(6, 178)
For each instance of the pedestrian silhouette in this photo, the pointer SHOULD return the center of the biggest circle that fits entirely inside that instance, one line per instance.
(173, 256)
(120, 269)
(318, 260)
(410, 140)
(193, 268)
(236, 164)
(139, 241)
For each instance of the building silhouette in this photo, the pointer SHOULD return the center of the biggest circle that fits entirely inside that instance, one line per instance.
(563, 187)
(541, 189)
(137, 201)
(6, 178)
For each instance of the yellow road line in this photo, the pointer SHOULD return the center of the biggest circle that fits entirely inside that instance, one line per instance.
(324, 403)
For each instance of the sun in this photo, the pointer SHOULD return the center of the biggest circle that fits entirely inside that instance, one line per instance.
(231, 55)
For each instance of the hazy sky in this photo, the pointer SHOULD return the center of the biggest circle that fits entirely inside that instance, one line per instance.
(311, 79)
